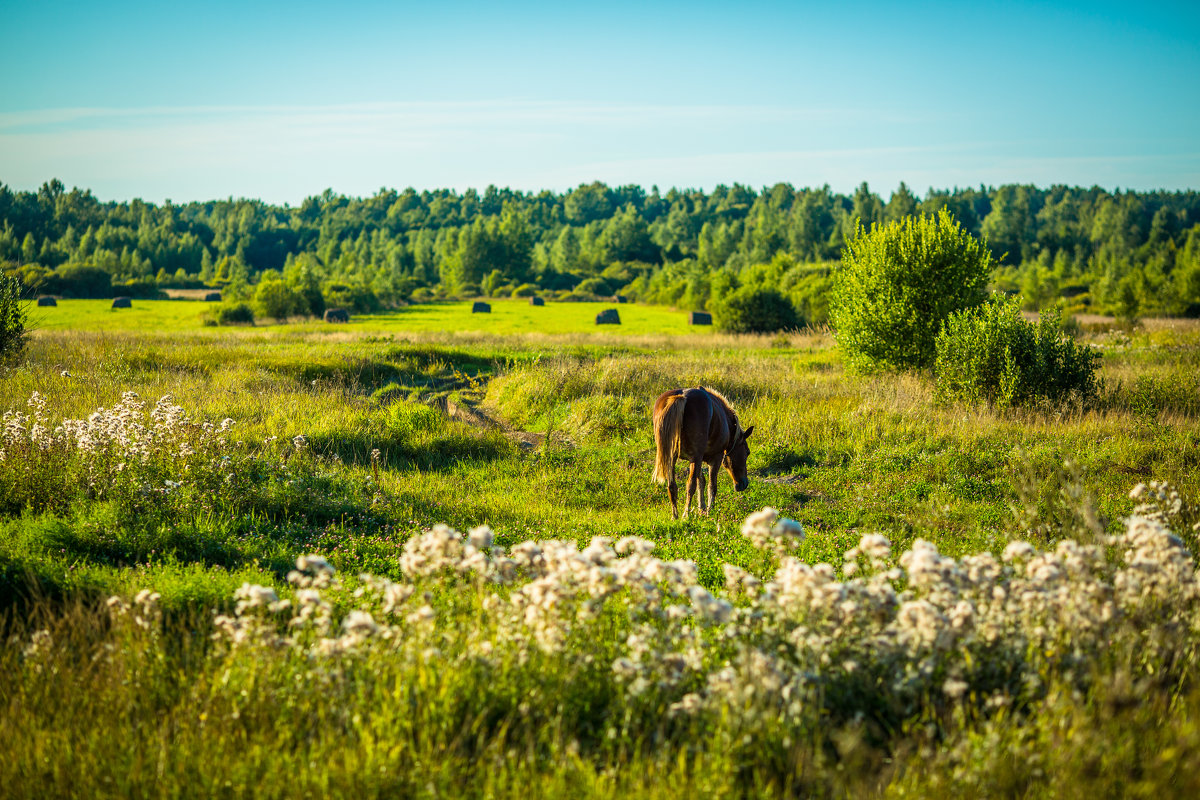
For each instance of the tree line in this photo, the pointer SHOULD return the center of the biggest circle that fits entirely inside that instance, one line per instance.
(1124, 252)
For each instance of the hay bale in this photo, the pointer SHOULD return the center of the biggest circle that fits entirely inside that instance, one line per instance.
(212, 297)
(337, 315)
(47, 300)
(122, 302)
(608, 316)
(699, 318)
(620, 298)
(481, 308)
(536, 301)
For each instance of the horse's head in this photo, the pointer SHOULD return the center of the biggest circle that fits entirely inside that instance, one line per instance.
(735, 459)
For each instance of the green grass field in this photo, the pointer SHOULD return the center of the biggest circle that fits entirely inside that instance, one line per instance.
(508, 316)
(570, 458)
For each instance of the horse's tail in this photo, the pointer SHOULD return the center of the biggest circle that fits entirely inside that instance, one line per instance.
(666, 438)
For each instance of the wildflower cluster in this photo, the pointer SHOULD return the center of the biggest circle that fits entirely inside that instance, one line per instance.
(895, 633)
(150, 457)
(125, 432)
(154, 451)
(1161, 502)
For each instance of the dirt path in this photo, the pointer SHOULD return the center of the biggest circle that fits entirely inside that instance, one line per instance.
(477, 417)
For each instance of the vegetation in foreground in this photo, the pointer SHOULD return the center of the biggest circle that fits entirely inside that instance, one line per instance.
(462, 686)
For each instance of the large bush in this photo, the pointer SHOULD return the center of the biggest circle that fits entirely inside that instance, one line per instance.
(357, 298)
(992, 353)
(234, 314)
(274, 298)
(139, 289)
(12, 318)
(899, 283)
(755, 309)
(73, 280)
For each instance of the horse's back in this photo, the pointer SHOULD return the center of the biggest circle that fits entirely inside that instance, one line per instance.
(664, 400)
(700, 426)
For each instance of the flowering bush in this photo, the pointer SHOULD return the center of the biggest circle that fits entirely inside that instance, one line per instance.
(888, 636)
(546, 649)
(151, 460)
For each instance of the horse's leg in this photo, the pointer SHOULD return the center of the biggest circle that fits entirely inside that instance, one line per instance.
(702, 489)
(673, 490)
(695, 475)
(713, 469)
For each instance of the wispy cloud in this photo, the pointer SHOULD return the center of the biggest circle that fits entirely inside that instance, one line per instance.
(283, 153)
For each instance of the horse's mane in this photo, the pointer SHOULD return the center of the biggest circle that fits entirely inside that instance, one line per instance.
(720, 398)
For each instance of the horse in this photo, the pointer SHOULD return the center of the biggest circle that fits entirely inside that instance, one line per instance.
(701, 427)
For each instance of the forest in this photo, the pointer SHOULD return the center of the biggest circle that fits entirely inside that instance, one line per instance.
(1125, 253)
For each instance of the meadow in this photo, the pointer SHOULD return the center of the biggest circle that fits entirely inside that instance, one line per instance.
(507, 316)
(574, 639)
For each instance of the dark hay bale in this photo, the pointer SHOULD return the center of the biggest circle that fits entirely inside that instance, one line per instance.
(608, 316)
(122, 302)
(536, 301)
(620, 298)
(212, 297)
(481, 308)
(47, 300)
(699, 318)
(337, 315)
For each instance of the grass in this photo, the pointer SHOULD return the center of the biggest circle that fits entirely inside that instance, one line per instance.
(508, 316)
(843, 454)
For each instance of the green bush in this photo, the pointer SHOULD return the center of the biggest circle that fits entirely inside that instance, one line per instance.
(356, 298)
(139, 289)
(235, 314)
(595, 286)
(274, 298)
(74, 280)
(525, 290)
(755, 309)
(12, 318)
(899, 283)
(992, 353)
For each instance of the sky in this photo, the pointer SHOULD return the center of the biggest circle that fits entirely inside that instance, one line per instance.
(280, 101)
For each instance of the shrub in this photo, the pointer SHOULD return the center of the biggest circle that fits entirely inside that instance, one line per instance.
(274, 298)
(73, 280)
(755, 309)
(525, 290)
(139, 289)
(992, 353)
(12, 318)
(899, 283)
(312, 302)
(235, 314)
(595, 286)
(359, 299)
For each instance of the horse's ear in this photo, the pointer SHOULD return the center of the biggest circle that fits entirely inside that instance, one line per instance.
(746, 433)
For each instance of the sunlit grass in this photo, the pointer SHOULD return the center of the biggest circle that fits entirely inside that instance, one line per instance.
(843, 454)
(508, 316)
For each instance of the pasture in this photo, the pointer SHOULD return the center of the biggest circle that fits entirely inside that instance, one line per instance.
(508, 316)
(353, 441)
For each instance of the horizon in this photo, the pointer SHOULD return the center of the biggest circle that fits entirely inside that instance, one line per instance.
(883, 195)
(280, 103)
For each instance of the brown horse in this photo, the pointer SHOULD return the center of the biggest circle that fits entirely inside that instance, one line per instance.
(699, 426)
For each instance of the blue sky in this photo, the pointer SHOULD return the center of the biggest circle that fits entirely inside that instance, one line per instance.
(280, 101)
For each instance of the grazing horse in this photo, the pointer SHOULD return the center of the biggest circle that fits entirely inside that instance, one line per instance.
(699, 426)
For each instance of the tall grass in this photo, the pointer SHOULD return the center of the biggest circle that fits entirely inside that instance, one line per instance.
(105, 706)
